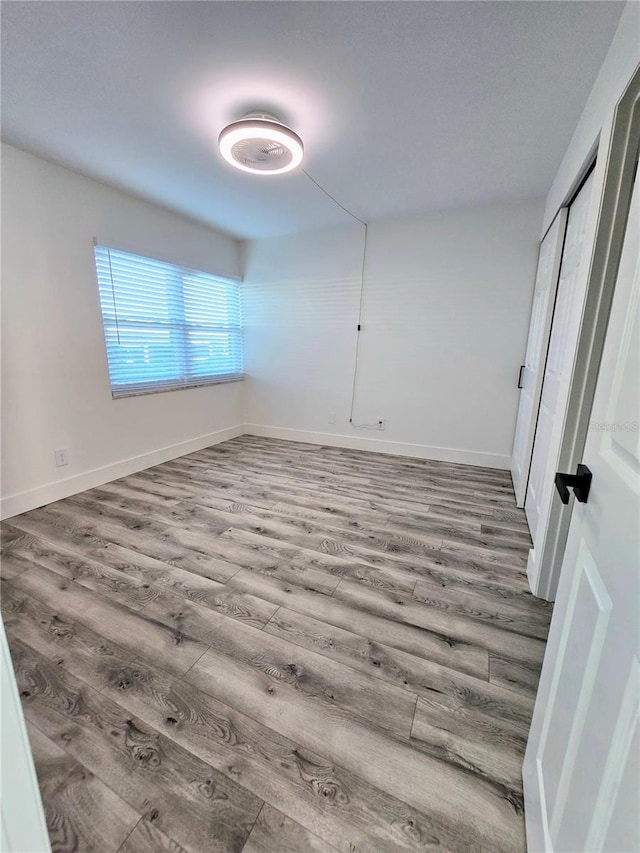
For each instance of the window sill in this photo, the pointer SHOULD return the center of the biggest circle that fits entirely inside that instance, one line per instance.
(161, 389)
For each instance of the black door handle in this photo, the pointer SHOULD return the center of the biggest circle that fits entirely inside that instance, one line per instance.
(522, 367)
(580, 482)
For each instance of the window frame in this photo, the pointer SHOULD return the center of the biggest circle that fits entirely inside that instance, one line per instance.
(176, 271)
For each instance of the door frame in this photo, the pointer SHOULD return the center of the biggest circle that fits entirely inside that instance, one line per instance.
(617, 149)
(23, 826)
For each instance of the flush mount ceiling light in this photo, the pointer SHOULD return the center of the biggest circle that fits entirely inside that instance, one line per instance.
(260, 144)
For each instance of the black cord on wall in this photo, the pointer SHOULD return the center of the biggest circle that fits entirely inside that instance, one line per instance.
(359, 326)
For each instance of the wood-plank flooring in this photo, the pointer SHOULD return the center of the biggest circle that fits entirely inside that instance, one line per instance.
(268, 647)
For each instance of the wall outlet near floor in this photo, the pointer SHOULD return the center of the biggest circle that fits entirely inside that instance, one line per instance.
(332, 417)
(381, 423)
(62, 457)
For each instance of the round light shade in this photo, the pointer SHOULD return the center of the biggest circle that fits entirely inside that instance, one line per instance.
(261, 145)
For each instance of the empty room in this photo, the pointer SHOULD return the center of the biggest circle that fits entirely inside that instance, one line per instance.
(320, 405)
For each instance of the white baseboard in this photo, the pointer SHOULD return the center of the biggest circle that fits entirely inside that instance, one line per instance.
(397, 448)
(33, 498)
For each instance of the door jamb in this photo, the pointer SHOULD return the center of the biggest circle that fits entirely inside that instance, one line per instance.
(564, 210)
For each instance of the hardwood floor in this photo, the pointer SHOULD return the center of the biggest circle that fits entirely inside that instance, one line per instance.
(269, 647)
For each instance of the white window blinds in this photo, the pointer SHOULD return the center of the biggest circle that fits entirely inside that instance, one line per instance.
(166, 327)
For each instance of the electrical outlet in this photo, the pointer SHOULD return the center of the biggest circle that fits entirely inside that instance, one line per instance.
(381, 423)
(332, 417)
(62, 457)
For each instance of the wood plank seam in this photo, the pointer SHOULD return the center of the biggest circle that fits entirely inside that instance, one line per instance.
(129, 836)
(254, 825)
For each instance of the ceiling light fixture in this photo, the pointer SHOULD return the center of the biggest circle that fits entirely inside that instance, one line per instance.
(260, 144)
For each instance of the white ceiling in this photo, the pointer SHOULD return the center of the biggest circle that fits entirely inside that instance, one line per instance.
(404, 107)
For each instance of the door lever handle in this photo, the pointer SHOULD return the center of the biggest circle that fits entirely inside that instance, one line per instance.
(580, 482)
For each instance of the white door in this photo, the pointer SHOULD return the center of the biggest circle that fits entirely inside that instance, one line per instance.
(582, 765)
(22, 822)
(537, 345)
(562, 349)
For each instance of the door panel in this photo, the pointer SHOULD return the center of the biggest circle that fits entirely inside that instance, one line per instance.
(589, 612)
(537, 345)
(582, 764)
(620, 789)
(562, 348)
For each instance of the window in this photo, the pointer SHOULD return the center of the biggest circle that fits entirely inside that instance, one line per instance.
(166, 327)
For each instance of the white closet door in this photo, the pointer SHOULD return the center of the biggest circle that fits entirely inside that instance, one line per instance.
(537, 345)
(582, 766)
(561, 355)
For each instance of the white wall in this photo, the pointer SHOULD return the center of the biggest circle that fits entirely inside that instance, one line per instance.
(55, 383)
(445, 317)
(613, 78)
